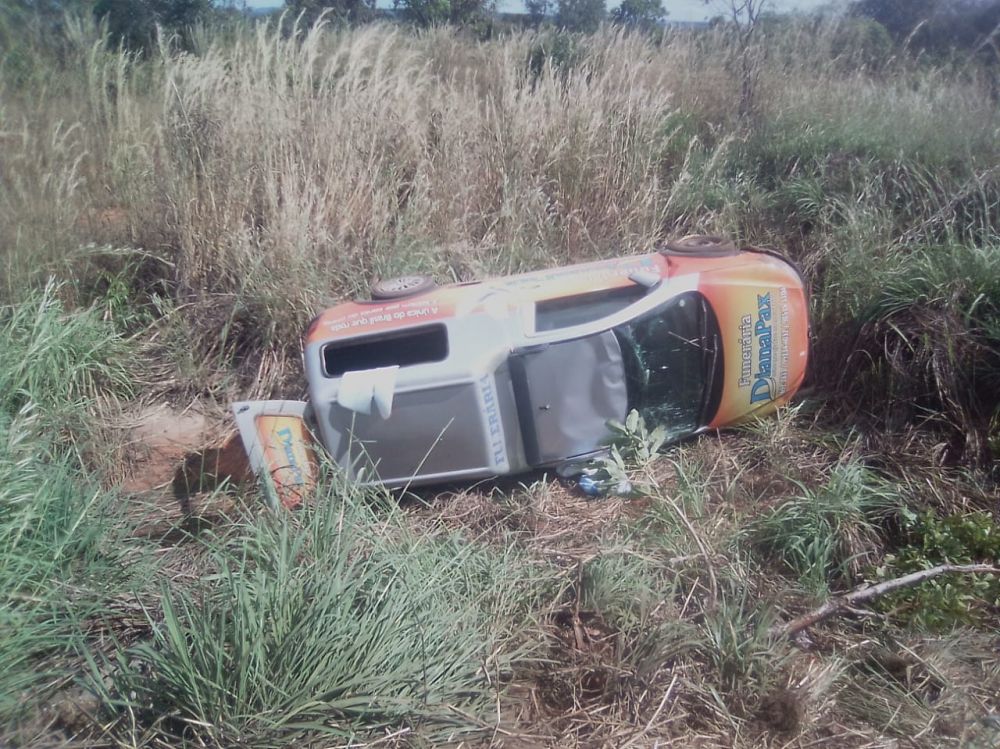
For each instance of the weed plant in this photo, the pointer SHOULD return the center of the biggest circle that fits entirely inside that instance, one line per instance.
(338, 621)
(931, 540)
(58, 554)
(56, 360)
(827, 534)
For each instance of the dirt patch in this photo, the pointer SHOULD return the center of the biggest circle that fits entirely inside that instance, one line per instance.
(176, 459)
(159, 440)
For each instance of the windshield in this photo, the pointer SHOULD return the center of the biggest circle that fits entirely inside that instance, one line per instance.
(673, 364)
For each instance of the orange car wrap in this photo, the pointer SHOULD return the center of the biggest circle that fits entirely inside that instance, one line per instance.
(576, 279)
(286, 445)
(355, 318)
(762, 313)
(759, 303)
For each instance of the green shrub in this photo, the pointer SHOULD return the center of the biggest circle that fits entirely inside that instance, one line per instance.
(62, 559)
(631, 593)
(58, 361)
(925, 331)
(946, 601)
(336, 620)
(829, 532)
(737, 644)
(558, 51)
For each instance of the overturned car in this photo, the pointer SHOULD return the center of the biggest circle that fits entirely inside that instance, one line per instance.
(425, 384)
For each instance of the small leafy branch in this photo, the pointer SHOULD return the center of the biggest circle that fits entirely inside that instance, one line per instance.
(964, 539)
(634, 441)
(849, 603)
(633, 446)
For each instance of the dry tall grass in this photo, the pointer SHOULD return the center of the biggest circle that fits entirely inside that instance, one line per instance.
(279, 168)
(273, 172)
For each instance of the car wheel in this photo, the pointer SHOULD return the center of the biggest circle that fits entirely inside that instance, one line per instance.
(402, 286)
(700, 245)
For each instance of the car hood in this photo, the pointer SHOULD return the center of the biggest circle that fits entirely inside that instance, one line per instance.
(763, 321)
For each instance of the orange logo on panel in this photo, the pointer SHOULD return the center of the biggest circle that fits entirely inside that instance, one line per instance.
(288, 456)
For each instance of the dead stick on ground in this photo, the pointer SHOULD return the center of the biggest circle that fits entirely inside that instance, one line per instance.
(847, 602)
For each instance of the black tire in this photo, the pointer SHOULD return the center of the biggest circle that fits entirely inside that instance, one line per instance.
(701, 245)
(401, 287)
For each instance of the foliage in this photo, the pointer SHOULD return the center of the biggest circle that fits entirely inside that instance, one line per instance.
(942, 603)
(745, 16)
(62, 555)
(559, 51)
(737, 642)
(437, 12)
(830, 532)
(57, 362)
(337, 620)
(580, 15)
(644, 14)
(632, 447)
(930, 310)
(968, 25)
(133, 23)
(62, 558)
(937, 25)
(865, 42)
(629, 593)
(636, 441)
(337, 11)
(538, 10)
(899, 17)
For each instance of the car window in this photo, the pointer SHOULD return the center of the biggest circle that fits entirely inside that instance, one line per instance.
(673, 364)
(567, 311)
(404, 348)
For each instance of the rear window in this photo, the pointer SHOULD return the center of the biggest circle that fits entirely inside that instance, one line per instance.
(565, 312)
(401, 347)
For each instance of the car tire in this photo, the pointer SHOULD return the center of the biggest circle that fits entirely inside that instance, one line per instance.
(401, 287)
(700, 245)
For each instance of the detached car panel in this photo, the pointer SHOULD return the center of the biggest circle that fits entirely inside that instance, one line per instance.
(501, 376)
(279, 445)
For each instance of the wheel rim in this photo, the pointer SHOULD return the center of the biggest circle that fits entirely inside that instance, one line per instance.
(403, 283)
(702, 244)
(699, 242)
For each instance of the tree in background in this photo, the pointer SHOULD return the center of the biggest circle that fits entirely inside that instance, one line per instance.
(538, 10)
(970, 24)
(180, 14)
(580, 15)
(745, 16)
(437, 12)
(133, 22)
(645, 14)
(901, 18)
(342, 11)
(937, 25)
(21, 18)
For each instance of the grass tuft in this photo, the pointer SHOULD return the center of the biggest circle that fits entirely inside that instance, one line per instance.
(829, 533)
(62, 560)
(337, 620)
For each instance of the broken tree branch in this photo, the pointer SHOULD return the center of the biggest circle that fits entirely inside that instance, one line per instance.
(849, 601)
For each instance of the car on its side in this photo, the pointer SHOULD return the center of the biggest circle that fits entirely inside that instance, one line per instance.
(425, 384)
